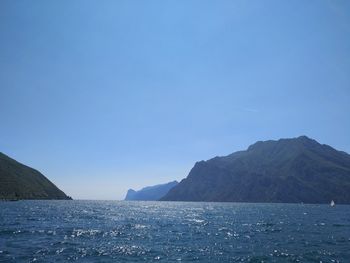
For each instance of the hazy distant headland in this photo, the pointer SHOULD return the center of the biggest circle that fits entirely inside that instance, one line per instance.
(298, 170)
(18, 181)
(150, 193)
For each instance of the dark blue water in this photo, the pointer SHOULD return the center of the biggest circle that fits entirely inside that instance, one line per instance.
(107, 231)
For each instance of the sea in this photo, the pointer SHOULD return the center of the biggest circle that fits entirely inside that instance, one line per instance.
(122, 231)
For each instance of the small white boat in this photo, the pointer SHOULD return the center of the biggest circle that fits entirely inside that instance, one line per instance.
(332, 203)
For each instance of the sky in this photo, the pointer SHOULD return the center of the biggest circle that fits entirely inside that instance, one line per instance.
(103, 96)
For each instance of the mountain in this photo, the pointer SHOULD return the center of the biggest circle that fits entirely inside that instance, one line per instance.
(288, 170)
(150, 193)
(18, 181)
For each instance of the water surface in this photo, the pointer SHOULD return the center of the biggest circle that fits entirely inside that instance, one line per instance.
(110, 231)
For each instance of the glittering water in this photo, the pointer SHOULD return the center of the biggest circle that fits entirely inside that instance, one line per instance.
(107, 231)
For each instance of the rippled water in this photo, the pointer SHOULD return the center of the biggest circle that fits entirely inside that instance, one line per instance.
(107, 231)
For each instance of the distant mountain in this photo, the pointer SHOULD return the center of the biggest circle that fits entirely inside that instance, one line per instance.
(150, 193)
(18, 181)
(288, 170)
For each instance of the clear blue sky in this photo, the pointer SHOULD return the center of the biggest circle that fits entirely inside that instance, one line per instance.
(102, 96)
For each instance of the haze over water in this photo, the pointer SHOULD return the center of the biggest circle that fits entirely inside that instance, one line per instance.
(109, 231)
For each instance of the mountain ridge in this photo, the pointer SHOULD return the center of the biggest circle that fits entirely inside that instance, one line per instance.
(287, 170)
(19, 181)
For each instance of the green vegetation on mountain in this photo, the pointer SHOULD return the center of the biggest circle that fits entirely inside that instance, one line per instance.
(18, 181)
(288, 170)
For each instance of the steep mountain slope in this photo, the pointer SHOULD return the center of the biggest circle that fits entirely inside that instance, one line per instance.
(18, 181)
(288, 170)
(150, 193)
